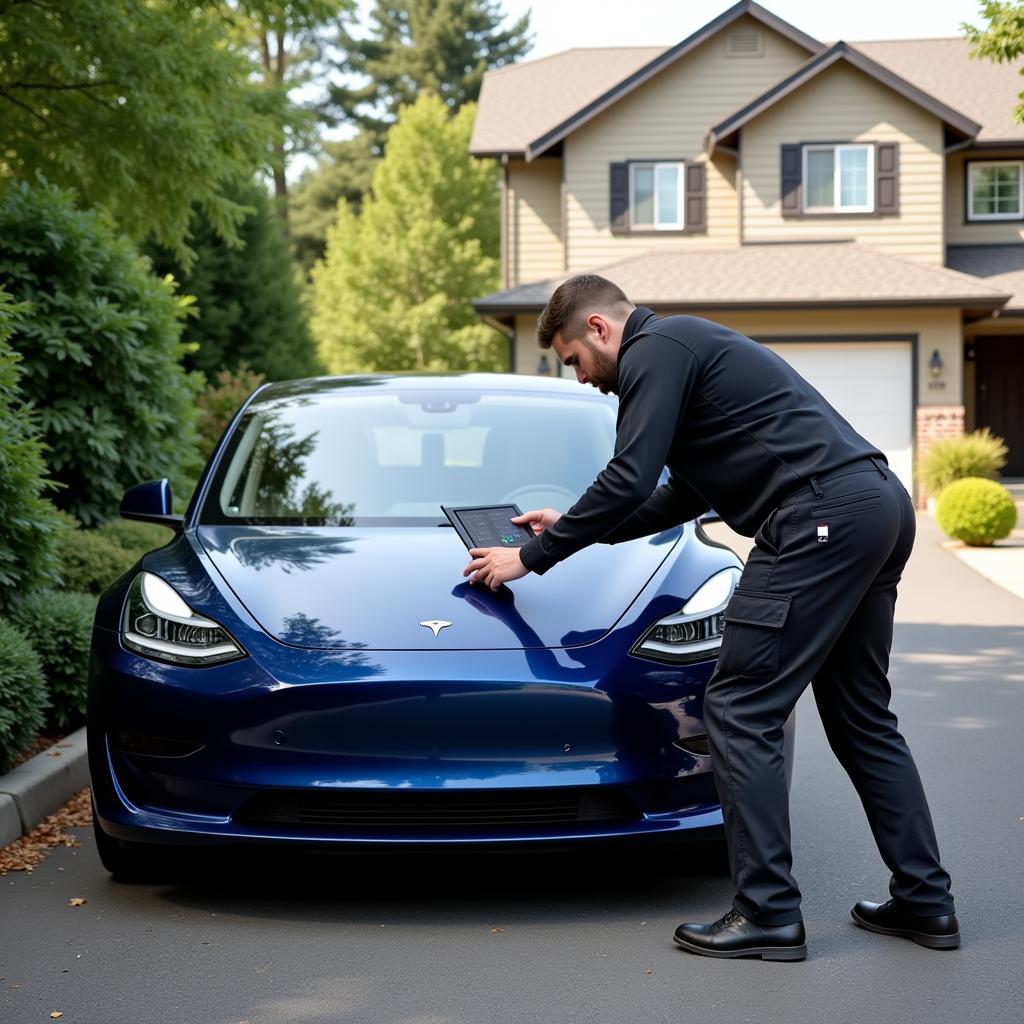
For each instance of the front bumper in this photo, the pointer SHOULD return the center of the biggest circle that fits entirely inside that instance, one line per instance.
(355, 747)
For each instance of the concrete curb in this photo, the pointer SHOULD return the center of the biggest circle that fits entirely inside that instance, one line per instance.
(36, 788)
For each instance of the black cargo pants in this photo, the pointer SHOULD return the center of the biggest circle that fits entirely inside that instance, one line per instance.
(815, 605)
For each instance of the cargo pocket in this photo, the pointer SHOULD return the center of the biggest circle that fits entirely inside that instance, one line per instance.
(753, 633)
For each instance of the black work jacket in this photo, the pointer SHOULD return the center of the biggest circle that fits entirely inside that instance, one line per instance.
(734, 423)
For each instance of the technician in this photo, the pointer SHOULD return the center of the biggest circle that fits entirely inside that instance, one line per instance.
(741, 432)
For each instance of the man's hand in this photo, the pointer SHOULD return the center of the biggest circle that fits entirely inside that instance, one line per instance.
(495, 566)
(538, 520)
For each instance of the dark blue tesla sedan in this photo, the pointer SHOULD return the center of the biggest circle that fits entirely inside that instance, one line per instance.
(304, 663)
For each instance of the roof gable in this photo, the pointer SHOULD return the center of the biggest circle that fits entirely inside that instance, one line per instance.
(723, 134)
(550, 137)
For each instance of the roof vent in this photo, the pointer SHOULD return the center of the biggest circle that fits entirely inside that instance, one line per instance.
(745, 42)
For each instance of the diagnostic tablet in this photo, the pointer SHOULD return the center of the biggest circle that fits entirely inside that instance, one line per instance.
(488, 526)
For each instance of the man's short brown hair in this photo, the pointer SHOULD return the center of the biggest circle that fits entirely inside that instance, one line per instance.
(573, 301)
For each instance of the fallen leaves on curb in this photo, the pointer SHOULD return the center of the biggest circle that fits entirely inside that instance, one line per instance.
(28, 851)
(77, 901)
(56, 1014)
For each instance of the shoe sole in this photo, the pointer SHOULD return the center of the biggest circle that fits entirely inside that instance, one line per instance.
(921, 938)
(787, 953)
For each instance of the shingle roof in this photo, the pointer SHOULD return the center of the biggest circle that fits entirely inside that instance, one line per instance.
(1000, 266)
(522, 103)
(725, 131)
(983, 90)
(538, 128)
(765, 276)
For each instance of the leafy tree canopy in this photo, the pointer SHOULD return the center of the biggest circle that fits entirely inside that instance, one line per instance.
(1003, 39)
(288, 42)
(141, 106)
(394, 290)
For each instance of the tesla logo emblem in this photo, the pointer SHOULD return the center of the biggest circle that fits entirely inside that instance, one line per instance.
(435, 624)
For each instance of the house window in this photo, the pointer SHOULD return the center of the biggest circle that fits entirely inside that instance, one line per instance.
(656, 196)
(837, 179)
(995, 190)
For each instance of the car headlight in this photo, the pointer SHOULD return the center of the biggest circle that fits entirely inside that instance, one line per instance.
(158, 623)
(693, 633)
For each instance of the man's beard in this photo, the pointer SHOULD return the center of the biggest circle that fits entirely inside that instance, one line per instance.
(606, 370)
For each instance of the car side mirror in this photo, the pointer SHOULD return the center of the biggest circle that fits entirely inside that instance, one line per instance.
(150, 503)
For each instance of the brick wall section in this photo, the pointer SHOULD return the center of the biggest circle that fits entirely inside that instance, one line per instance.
(935, 423)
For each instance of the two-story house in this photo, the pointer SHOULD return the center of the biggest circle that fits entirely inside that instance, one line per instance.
(858, 207)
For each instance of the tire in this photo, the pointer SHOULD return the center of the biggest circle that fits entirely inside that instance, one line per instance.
(129, 862)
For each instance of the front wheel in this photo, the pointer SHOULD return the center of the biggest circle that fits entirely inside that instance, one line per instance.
(129, 862)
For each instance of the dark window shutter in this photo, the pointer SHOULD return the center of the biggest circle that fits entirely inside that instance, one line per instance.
(618, 215)
(887, 164)
(792, 172)
(696, 198)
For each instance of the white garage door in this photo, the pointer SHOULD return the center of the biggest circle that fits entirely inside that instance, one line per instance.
(870, 384)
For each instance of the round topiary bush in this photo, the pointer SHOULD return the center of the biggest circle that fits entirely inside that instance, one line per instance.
(59, 624)
(976, 511)
(22, 693)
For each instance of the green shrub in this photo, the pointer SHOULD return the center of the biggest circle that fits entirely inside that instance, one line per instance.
(22, 693)
(102, 351)
(135, 537)
(28, 526)
(59, 625)
(980, 453)
(90, 562)
(976, 511)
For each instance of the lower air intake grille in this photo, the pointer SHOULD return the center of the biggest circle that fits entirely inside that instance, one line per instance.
(376, 809)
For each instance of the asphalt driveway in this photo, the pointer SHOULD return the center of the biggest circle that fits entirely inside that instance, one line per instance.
(578, 935)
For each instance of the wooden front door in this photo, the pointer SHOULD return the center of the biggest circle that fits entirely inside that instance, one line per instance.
(999, 376)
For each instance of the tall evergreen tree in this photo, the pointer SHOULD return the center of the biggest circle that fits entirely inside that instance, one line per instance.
(247, 299)
(443, 46)
(394, 290)
(343, 172)
(413, 46)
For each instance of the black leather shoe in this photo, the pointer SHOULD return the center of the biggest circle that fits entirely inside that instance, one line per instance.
(887, 918)
(733, 935)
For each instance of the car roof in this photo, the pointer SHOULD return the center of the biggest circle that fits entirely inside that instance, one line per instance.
(491, 383)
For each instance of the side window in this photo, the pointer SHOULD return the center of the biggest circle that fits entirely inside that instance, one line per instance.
(839, 179)
(995, 190)
(656, 196)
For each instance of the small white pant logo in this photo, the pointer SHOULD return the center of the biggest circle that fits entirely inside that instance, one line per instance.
(822, 533)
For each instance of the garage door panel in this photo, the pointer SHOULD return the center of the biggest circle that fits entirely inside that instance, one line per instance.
(869, 384)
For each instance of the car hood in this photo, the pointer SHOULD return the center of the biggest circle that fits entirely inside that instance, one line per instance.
(373, 588)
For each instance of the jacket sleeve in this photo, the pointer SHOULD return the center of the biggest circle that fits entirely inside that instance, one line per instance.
(656, 376)
(671, 504)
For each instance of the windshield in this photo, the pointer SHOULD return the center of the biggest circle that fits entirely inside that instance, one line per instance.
(394, 458)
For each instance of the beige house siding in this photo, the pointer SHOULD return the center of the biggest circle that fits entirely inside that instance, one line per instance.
(937, 329)
(667, 118)
(960, 231)
(528, 352)
(844, 105)
(534, 230)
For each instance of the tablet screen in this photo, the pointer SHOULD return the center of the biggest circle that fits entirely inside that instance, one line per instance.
(488, 526)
